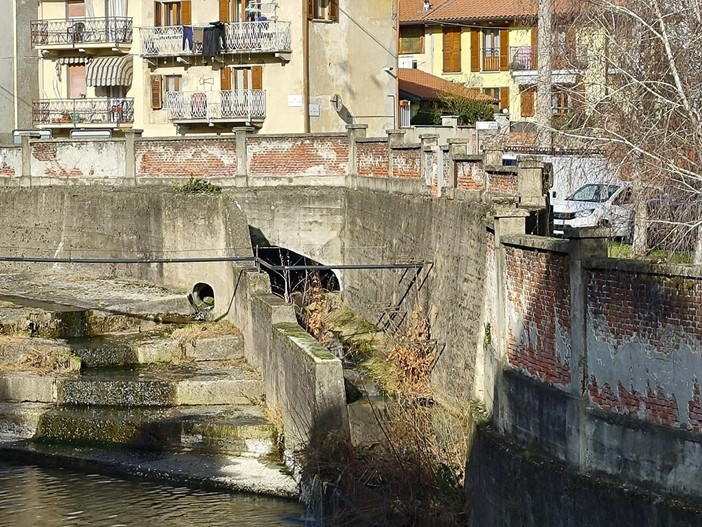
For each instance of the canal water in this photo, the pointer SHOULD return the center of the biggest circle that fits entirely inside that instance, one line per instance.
(32, 496)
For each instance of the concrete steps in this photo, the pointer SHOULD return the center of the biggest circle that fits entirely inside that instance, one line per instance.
(234, 430)
(213, 383)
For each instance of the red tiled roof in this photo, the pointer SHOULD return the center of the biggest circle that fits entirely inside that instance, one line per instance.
(464, 10)
(430, 87)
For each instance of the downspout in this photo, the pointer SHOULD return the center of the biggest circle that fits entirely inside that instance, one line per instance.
(15, 63)
(396, 101)
(306, 65)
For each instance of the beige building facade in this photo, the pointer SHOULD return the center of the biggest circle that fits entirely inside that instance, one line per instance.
(200, 67)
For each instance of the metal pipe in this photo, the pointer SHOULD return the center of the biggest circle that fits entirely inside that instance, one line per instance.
(341, 267)
(306, 15)
(37, 259)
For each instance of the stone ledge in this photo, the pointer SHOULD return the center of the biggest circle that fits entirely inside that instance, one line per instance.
(643, 267)
(541, 243)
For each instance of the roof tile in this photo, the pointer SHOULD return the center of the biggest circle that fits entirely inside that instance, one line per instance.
(431, 88)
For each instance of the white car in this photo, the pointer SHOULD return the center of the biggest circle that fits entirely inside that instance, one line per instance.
(596, 205)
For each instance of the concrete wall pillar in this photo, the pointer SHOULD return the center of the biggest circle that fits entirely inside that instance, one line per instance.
(355, 131)
(242, 158)
(493, 154)
(530, 182)
(26, 179)
(430, 142)
(457, 147)
(130, 171)
(395, 138)
(585, 243)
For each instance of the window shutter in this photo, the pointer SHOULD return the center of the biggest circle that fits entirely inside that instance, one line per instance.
(186, 12)
(452, 49)
(257, 78)
(527, 102)
(504, 49)
(157, 14)
(334, 10)
(156, 92)
(534, 48)
(224, 10)
(474, 50)
(225, 81)
(311, 4)
(504, 98)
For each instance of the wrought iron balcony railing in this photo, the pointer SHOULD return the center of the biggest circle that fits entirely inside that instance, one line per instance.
(238, 37)
(77, 32)
(211, 106)
(75, 112)
(522, 58)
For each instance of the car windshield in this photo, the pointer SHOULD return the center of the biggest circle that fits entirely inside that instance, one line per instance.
(593, 193)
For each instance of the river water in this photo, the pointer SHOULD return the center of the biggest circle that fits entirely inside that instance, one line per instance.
(32, 496)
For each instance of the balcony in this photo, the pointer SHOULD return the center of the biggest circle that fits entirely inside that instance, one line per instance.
(265, 36)
(86, 113)
(239, 106)
(522, 58)
(81, 33)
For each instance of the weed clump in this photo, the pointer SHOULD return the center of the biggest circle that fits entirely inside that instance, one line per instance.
(197, 186)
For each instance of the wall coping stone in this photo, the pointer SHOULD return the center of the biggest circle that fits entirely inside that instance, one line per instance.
(501, 169)
(407, 146)
(372, 140)
(540, 243)
(468, 157)
(643, 267)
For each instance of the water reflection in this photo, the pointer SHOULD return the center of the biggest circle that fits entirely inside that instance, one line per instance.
(31, 496)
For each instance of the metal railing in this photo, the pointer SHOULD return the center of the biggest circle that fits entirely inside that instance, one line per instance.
(238, 37)
(522, 58)
(491, 59)
(238, 105)
(107, 110)
(81, 31)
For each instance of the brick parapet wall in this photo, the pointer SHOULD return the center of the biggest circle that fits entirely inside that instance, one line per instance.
(78, 159)
(406, 162)
(372, 158)
(201, 158)
(292, 156)
(10, 161)
(645, 344)
(538, 313)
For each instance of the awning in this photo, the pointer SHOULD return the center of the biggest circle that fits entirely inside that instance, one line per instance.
(110, 71)
(73, 60)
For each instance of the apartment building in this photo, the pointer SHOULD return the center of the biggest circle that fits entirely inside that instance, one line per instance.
(491, 46)
(194, 67)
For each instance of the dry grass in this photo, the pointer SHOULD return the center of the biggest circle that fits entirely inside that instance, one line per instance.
(190, 334)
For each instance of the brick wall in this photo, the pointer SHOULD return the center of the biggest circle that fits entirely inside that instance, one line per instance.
(406, 163)
(470, 175)
(10, 161)
(69, 159)
(297, 156)
(201, 158)
(645, 345)
(502, 183)
(538, 313)
(372, 159)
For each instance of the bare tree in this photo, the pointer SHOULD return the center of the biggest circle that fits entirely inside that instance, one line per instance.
(639, 99)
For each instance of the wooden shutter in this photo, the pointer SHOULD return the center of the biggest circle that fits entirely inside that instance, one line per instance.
(257, 78)
(534, 48)
(474, 50)
(225, 81)
(156, 92)
(527, 102)
(504, 98)
(186, 12)
(224, 10)
(334, 10)
(158, 19)
(452, 49)
(504, 49)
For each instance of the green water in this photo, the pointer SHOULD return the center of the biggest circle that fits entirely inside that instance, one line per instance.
(32, 496)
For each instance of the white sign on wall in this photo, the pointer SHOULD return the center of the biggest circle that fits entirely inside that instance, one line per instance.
(486, 125)
(314, 110)
(295, 101)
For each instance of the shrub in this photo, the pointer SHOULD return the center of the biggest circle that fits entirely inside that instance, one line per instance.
(197, 186)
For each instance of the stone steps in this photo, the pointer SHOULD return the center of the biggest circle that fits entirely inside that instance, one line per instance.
(235, 430)
(213, 383)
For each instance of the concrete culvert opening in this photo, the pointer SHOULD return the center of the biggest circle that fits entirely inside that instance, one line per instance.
(203, 296)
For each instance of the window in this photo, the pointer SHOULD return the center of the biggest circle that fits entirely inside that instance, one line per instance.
(75, 9)
(173, 13)
(527, 101)
(560, 102)
(501, 95)
(172, 83)
(323, 10)
(452, 49)
(412, 39)
(491, 50)
(241, 79)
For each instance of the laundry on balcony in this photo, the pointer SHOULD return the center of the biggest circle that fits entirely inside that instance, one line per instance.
(213, 36)
(110, 71)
